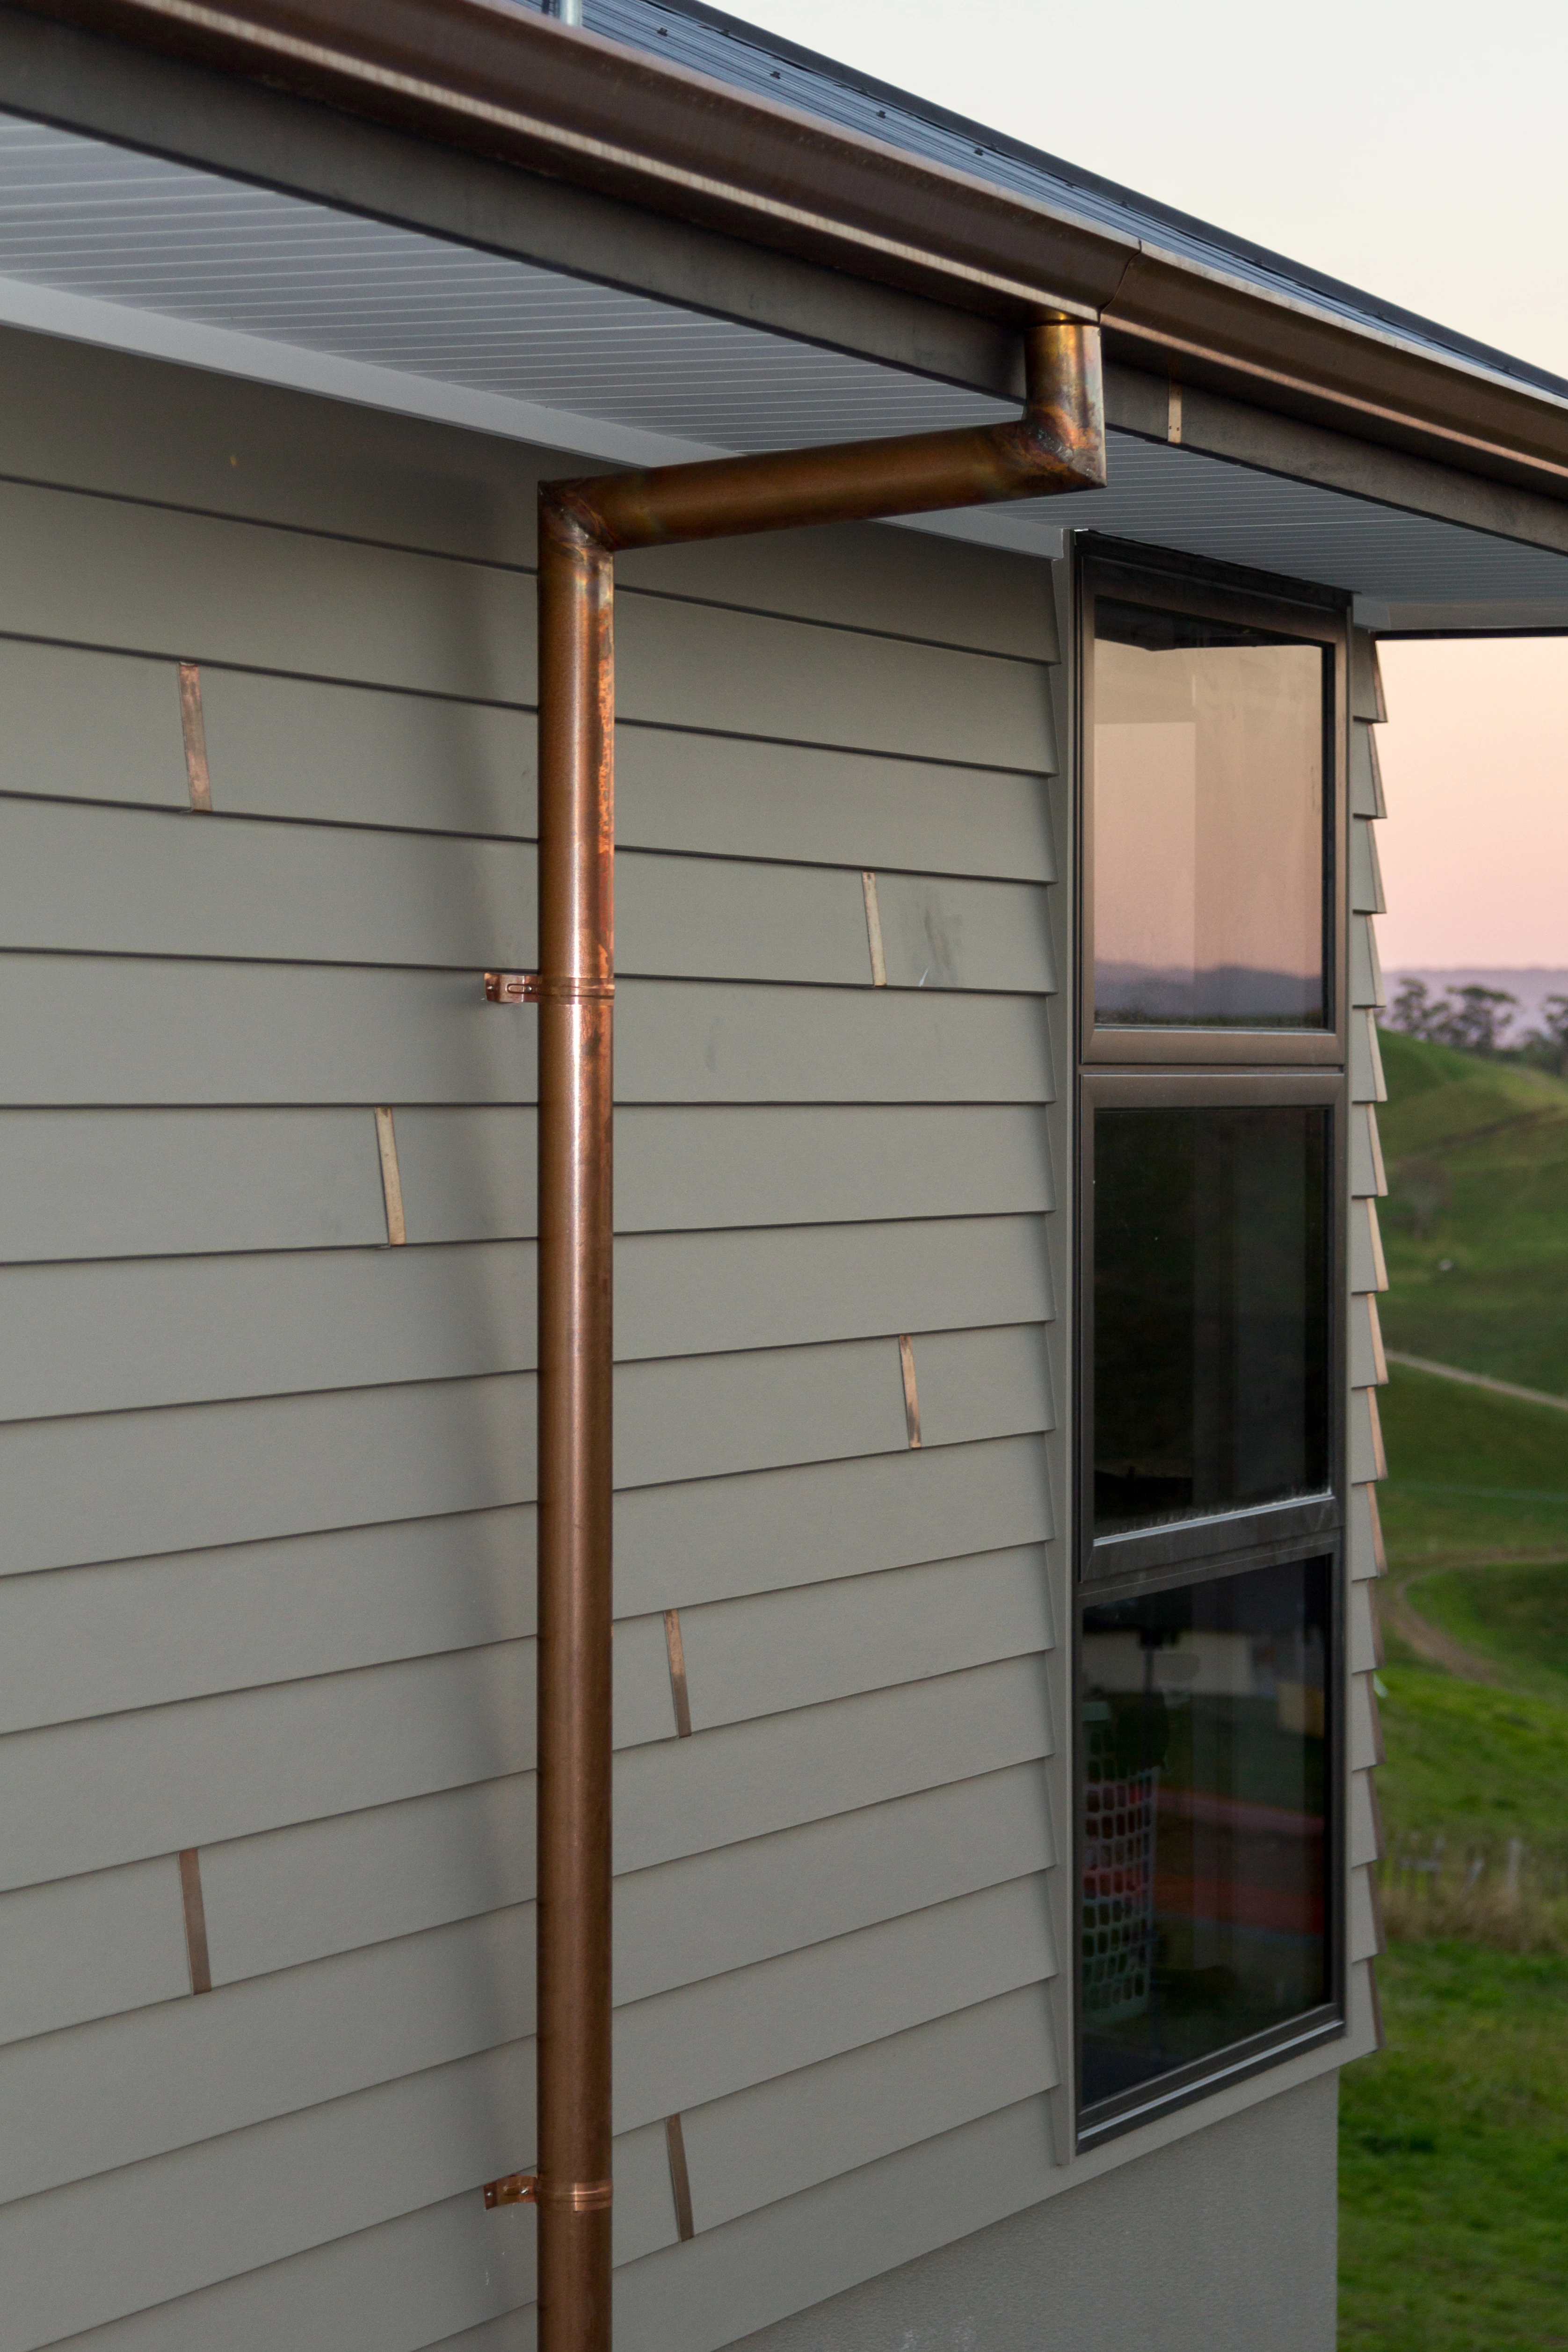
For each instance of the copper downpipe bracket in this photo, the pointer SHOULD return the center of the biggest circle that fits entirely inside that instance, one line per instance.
(512, 2188)
(533, 988)
(1058, 445)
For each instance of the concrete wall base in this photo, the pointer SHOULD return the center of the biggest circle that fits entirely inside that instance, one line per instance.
(1225, 2241)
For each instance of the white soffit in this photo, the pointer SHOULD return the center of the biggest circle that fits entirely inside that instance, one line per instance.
(104, 245)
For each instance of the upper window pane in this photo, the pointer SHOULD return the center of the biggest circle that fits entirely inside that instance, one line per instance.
(1208, 822)
(1211, 1371)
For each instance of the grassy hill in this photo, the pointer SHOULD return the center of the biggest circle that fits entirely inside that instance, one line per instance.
(1476, 1222)
(1454, 2143)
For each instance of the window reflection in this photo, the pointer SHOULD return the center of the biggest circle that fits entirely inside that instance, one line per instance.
(1211, 1375)
(1208, 822)
(1204, 1728)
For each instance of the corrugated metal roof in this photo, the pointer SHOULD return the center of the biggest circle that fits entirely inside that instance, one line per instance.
(706, 41)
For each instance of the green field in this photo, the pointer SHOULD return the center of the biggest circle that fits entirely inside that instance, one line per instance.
(1471, 1473)
(1453, 2141)
(1454, 2157)
(1476, 1222)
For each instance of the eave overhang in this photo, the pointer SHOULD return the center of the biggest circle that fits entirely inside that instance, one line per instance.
(518, 88)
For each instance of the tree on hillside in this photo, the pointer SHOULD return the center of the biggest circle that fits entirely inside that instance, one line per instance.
(1475, 1019)
(1547, 1047)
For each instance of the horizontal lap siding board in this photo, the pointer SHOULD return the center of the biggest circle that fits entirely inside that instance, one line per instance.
(268, 1587)
(89, 1338)
(84, 1030)
(1366, 1275)
(96, 1184)
(184, 2072)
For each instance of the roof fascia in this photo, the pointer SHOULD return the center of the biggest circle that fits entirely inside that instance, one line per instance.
(616, 150)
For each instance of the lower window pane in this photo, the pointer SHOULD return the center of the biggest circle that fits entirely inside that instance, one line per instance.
(1205, 1739)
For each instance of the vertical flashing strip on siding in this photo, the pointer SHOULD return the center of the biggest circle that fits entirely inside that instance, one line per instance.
(911, 1394)
(677, 1690)
(391, 1178)
(195, 734)
(874, 931)
(680, 2179)
(196, 1920)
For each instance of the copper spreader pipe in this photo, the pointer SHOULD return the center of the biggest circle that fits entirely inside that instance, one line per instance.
(1059, 444)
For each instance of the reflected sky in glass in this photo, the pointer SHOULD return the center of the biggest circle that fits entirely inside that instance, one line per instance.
(1208, 824)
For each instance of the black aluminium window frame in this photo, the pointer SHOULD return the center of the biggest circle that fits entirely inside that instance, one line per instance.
(1173, 1068)
(1220, 593)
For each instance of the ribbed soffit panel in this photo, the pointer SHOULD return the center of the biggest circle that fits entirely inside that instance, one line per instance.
(154, 244)
(132, 230)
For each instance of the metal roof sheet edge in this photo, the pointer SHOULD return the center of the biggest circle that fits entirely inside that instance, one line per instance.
(1140, 212)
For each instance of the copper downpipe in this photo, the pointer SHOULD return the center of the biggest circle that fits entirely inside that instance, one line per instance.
(1059, 444)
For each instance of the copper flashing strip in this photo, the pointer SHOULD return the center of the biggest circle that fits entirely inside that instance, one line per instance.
(680, 1698)
(680, 2179)
(911, 1394)
(196, 1920)
(874, 931)
(391, 1180)
(194, 728)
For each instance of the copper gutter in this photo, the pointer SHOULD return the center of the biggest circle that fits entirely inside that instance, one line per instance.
(1059, 444)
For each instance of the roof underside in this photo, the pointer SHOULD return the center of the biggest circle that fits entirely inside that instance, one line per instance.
(106, 245)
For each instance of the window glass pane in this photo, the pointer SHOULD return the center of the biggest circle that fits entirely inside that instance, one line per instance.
(1203, 1723)
(1211, 1376)
(1208, 822)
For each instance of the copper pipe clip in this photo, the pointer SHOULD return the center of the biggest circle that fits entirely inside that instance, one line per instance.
(577, 2196)
(534, 988)
(512, 2188)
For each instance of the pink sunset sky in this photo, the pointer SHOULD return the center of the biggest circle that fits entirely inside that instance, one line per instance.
(1418, 151)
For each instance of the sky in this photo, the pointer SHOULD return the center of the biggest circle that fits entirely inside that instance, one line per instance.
(1419, 152)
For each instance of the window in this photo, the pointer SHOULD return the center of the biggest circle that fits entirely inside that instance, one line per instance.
(1211, 1124)
(1204, 1729)
(1209, 824)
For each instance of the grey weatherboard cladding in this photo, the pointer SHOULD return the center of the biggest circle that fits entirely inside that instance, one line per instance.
(247, 1416)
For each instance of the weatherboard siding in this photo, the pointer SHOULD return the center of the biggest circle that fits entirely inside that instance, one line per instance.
(267, 1591)
(1367, 1276)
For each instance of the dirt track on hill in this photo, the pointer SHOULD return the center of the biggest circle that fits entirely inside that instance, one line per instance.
(1397, 1611)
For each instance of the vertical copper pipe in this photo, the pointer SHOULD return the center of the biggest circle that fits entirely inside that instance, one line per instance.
(575, 1210)
(1059, 444)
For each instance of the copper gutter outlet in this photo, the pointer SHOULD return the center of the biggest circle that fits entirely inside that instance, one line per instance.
(1059, 444)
